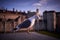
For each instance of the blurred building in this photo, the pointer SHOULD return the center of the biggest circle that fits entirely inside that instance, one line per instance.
(57, 21)
(30, 14)
(51, 20)
(10, 19)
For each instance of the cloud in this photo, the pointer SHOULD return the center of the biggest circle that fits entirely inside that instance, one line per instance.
(36, 4)
(40, 3)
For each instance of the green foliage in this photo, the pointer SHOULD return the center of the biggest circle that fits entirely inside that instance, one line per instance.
(56, 35)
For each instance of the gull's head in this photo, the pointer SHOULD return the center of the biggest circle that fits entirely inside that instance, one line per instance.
(37, 12)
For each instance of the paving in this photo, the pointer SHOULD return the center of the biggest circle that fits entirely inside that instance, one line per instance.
(25, 36)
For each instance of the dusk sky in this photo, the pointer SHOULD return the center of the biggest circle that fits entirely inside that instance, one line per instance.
(26, 5)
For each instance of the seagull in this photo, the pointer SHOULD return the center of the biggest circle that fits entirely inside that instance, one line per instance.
(28, 23)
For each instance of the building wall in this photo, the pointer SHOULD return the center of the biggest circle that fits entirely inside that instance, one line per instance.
(58, 22)
(39, 25)
(9, 25)
(45, 20)
(49, 20)
(30, 14)
(1, 27)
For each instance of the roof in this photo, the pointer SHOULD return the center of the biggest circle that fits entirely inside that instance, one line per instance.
(11, 18)
(14, 12)
(52, 11)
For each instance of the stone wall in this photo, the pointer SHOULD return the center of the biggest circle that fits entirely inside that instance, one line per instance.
(8, 21)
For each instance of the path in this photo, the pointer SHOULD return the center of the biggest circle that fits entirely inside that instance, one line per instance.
(25, 36)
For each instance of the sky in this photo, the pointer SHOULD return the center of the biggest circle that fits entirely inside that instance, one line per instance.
(32, 5)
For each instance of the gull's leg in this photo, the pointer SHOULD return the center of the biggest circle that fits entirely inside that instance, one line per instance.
(28, 29)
